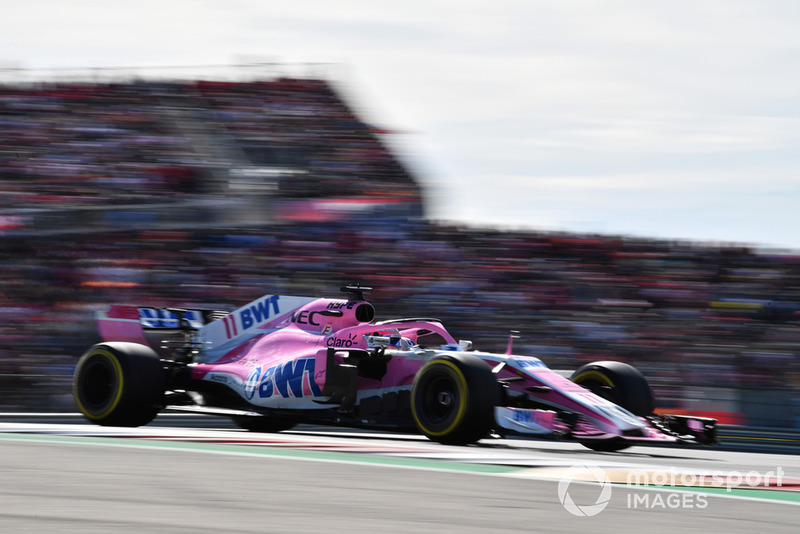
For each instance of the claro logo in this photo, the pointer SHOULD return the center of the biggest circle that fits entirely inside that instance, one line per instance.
(349, 341)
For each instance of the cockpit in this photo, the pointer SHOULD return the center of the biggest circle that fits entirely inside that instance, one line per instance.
(392, 341)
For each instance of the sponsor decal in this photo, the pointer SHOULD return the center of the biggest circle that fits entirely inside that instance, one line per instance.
(161, 318)
(251, 384)
(339, 304)
(230, 326)
(217, 377)
(286, 379)
(254, 315)
(536, 417)
(529, 362)
(306, 317)
(259, 312)
(349, 341)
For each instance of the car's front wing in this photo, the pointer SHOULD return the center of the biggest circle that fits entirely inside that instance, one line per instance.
(658, 429)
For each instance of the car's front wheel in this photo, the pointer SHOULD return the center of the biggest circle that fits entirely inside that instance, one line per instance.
(621, 384)
(618, 382)
(453, 399)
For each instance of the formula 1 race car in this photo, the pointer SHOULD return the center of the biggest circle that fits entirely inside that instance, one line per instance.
(282, 360)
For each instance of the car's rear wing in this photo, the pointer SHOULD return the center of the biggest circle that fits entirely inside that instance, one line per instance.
(213, 329)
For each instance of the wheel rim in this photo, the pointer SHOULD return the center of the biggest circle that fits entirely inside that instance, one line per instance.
(439, 399)
(99, 384)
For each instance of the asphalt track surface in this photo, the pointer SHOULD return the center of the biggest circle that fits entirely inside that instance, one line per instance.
(81, 478)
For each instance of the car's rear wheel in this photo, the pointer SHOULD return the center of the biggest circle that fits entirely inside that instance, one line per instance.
(119, 384)
(453, 399)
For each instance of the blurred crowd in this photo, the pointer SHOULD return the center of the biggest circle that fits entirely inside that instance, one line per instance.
(86, 144)
(692, 317)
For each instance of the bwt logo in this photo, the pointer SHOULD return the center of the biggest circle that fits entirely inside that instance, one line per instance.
(250, 316)
(286, 380)
(259, 312)
(529, 362)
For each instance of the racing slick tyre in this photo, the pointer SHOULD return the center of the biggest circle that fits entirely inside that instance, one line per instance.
(119, 384)
(453, 399)
(264, 424)
(623, 385)
(618, 382)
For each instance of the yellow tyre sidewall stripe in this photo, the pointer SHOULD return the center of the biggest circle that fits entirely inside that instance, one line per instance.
(461, 384)
(594, 375)
(111, 357)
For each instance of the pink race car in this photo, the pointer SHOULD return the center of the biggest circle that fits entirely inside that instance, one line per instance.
(282, 360)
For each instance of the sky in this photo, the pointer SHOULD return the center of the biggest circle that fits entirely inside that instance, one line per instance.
(669, 120)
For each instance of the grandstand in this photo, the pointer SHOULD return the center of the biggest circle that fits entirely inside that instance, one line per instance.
(172, 154)
(186, 192)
